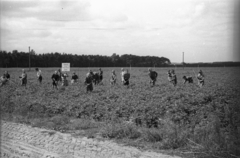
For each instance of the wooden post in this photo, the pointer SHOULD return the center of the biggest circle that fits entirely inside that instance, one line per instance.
(183, 60)
(29, 60)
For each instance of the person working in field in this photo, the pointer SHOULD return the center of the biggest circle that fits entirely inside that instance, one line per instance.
(64, 79)
(125, 77)
(113, 78)
(23, 78)
(89, 81)
(5, 78)
(100, 75)
(153, 76)
(6, 75)
(188, 79)
(169, 75)
(122, 73)
(200, 78)
(60, 74)
(74, 78)
(172, 78)
(39, 76)
(55, 79)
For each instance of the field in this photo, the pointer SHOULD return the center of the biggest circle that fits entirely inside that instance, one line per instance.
(197, 122)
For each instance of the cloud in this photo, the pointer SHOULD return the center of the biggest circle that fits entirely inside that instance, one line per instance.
(141, 27)
(199, 10)
(47, 10)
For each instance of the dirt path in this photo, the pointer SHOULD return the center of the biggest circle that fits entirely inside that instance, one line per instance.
(22, 141)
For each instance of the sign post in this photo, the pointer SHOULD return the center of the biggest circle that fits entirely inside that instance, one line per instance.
(65, 66)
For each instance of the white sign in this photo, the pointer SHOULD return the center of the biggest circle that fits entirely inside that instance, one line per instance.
(65, 66)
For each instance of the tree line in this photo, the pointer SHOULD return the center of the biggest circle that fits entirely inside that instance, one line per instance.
(21, 59)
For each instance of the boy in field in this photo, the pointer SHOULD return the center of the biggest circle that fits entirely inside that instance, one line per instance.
(60, 74)
(74, 78)
(125, 77)
(113, 78)
(39, 76)
(64, 79)
(153, 76)
(55, 78)
(3, 81)
(89, 81)
(169, 75)
(100, 75)
(172, 78)
(6, 75)
(23, 78)
(122, 73)
(200, 78)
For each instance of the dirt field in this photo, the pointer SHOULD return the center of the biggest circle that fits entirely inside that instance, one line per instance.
(23, 141)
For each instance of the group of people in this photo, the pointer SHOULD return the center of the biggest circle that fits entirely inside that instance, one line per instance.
(97, 77)
(5, 78)
(58, 76)
(172, 78)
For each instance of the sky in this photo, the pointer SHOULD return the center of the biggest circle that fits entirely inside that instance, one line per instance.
(205, 30)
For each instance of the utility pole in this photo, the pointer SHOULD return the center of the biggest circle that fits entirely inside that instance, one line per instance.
(183, 60)
(29, 60)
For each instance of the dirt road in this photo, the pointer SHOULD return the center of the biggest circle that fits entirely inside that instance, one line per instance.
(22, 141)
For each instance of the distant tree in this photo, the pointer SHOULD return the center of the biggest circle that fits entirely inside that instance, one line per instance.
(21, 59)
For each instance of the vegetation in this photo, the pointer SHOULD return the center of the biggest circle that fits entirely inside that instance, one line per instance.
(197, 122)
(21, 59)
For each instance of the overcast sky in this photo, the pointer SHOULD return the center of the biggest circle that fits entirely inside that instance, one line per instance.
(203, 29)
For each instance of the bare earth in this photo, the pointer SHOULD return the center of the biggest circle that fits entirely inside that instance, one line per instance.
(22, 141)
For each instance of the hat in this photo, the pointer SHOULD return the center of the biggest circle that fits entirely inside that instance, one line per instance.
(149, 69)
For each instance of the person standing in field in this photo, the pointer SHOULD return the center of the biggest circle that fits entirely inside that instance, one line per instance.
(64, 79)
(169, 75)
(113, 78)
(3, 80)
(60, 74)
(122, 74)
(89, 81)
(153, 76)
(172, 78)
(74, 78)
(100, 75)
(125, 77)
(6, 75)
(23, 78)
(39, 76)
(55, 78)
(200, 78)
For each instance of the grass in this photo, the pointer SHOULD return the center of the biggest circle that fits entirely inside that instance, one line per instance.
(200, 122)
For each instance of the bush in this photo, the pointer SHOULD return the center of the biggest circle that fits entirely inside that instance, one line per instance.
(120, 130)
